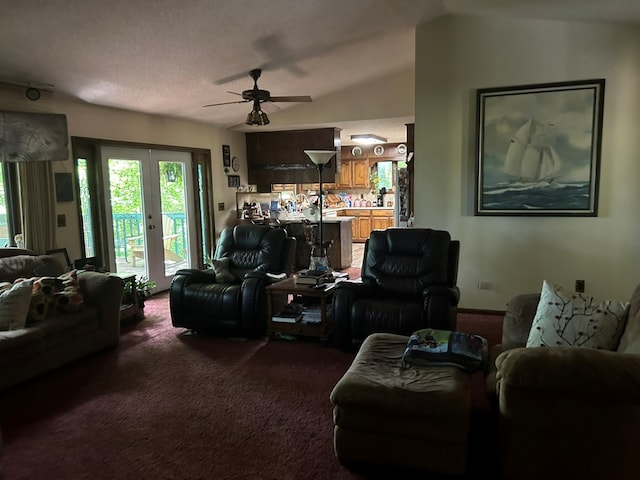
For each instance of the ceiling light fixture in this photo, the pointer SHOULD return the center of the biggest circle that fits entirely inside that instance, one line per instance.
(32, 94)
(368, 139)
(257, 116)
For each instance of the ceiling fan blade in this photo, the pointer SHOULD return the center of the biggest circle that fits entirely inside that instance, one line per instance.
(293, 98)
(234, 93)
(224, 103)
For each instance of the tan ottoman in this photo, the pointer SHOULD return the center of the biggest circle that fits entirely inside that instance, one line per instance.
(387, 413)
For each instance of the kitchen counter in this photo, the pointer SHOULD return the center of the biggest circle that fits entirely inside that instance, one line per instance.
(336, 229)
(325, 219)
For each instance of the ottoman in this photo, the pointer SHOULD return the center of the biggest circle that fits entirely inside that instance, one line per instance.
(387, 413)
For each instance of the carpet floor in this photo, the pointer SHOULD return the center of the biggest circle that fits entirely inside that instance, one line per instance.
(167, 405)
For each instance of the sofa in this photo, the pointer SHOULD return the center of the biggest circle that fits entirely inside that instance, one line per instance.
(63, 334)
(567, 411)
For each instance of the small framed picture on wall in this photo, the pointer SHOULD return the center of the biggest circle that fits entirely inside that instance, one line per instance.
(233, 181)
(64, 187)
(226, 156)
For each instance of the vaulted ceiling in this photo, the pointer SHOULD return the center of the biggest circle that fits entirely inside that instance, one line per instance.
(171, 57)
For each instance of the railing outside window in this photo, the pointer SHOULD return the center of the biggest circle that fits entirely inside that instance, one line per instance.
(129, 225)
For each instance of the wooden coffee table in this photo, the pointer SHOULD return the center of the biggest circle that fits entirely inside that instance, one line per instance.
(301, 293)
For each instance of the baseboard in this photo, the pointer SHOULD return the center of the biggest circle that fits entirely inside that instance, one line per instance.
(480, 311)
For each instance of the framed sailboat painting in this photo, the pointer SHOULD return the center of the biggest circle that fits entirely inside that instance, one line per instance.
(538, 149)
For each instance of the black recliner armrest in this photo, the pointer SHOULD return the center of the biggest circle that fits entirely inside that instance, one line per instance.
(452, 293)
(440, 306)
(197, 276)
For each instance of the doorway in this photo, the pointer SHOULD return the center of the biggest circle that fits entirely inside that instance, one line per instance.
(149, 201)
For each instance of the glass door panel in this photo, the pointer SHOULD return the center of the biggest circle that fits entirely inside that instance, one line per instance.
(149, 208)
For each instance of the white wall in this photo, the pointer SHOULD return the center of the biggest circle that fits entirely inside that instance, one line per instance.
(458, 54)
(87, 120)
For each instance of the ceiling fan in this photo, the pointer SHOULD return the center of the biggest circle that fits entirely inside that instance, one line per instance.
(258, 96)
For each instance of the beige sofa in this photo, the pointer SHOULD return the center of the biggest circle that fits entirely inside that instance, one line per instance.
(61, 337)
(566, 411)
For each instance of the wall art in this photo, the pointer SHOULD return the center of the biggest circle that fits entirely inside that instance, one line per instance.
(538, 149)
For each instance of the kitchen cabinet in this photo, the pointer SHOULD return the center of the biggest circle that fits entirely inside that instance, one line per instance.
(364, 228)
(381, 219)
(367, 219)
(278, 157)
(353, 174)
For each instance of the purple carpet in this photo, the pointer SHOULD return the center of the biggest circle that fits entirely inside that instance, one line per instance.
(164, 405)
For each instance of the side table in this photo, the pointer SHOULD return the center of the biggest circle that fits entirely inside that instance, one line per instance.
(130, 310)
(298, 292)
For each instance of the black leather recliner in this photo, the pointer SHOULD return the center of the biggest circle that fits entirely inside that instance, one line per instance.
(409, 278)
(239, 307)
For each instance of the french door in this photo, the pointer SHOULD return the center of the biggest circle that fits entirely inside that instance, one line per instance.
(150, 204)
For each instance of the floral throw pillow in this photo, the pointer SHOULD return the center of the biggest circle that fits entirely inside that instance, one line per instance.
(69, 298)
(576, 319)
(42, 297)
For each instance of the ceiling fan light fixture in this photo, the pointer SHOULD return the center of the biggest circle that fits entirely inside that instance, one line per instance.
(257, 117)
(368, 139)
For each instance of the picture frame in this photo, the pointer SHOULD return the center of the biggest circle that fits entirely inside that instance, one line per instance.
(233, 181)
(538, 149)
(64, 187)
(226, 156)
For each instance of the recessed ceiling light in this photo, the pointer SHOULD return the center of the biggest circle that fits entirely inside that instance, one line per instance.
(368, 139)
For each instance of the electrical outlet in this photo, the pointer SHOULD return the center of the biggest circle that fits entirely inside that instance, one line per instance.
(579, 286)
(221, 206)
(483, 285)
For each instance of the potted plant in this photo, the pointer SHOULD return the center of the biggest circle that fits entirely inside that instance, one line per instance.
(144, 289)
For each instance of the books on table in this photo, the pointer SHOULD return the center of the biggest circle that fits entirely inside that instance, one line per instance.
(313, 277)
(312, 314)
(291, 313)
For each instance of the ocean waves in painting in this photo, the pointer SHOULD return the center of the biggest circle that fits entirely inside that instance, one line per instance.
(536, 196)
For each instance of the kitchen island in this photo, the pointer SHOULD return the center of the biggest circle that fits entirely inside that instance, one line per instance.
(336, 229)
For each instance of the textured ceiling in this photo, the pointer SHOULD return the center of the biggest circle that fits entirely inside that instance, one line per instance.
(170, 57)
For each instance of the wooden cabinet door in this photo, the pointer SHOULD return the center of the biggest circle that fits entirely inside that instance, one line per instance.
(343, 179)
(364, 227)
(360, 174)
(391, 222)
(355, 228)
(380, 223)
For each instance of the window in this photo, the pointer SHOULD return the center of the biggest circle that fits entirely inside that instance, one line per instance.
(10, 223)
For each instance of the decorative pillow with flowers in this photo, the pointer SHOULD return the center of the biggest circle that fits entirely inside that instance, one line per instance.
(69, 298)
(569, 318)
(42, 295)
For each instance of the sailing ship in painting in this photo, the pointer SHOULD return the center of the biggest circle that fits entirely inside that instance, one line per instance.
(530, 156)
(534, 170)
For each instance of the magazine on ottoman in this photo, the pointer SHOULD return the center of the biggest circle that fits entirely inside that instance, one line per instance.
(430, 346)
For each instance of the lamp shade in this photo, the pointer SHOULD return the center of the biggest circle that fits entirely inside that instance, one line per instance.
(320, 157)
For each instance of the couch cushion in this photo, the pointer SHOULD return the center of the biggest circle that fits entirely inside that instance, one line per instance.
(576, 319)
(19, 338)
(630, 340)
(14, 305)
(23, 266)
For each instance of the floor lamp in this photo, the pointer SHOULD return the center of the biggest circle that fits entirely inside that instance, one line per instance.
(319, 259)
